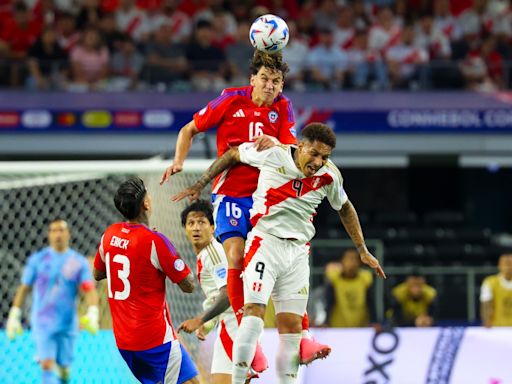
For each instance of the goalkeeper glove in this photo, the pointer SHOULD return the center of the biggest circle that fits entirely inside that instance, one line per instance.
(90, 321)
(14, 327)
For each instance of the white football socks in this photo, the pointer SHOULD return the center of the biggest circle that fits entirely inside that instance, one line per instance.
(287, 361)
(244, 347)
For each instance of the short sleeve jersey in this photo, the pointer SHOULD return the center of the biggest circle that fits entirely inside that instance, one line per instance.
(239, 120)
(499, 290)
(137, 261)
(212, 270)
(285, 201)
(55, 279)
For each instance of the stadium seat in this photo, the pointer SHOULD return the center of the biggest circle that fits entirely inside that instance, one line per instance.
(410, 254)
(444, 219)
(473, 235)
(396, 219)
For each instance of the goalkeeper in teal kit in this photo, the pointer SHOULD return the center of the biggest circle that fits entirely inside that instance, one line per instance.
(56, 274)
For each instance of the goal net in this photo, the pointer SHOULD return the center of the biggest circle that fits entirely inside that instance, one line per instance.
(81, 192)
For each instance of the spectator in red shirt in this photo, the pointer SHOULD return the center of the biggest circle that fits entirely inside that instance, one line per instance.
(17, 34)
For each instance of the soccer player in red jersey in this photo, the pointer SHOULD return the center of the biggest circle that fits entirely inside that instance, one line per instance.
(136, 261)
(260, 113)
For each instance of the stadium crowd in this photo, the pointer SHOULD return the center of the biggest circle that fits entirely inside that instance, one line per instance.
(173, 45)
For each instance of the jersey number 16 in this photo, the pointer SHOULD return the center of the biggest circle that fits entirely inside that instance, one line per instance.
(255, 130)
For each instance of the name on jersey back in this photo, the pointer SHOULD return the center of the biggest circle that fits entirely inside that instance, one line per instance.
(119, 242)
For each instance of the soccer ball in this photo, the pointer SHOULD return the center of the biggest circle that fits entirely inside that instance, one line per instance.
(269, 33)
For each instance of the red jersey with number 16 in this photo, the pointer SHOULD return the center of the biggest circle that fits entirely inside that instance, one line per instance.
(238, 120)
(137, 261)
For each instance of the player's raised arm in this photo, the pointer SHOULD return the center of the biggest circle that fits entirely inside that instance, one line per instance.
(350, 221)
(228, 159)
(183, 145)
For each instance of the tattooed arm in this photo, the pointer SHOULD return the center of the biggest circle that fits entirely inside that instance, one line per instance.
(350, 221)
(220, 305)
(228, 159)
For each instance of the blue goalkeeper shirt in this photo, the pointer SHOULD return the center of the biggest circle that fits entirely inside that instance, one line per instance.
(55, 279)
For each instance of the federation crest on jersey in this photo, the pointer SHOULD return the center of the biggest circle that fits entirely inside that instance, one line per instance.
(179, 265)
(273, 116)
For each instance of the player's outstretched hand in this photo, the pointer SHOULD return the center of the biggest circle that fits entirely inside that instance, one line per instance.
(265, 142)
(90, 321)
(371, 261)
(193, 193)
(171, 170)
(201, 333)
(190, 325)
(13, 327)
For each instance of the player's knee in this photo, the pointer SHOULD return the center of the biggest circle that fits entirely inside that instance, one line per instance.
(234, 248)
(47, 365)
(288, 323)
(235, 261)
(253, 309)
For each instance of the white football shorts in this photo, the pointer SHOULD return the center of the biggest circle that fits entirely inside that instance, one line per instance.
(226, 333)
(277, 268)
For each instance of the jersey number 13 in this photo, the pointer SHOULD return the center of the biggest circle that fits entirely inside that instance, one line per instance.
(122, 274)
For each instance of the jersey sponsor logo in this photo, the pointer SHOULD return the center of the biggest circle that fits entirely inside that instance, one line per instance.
(202, 111)
(257, 113)
(281, 170)
(221, 272)
(304, 290)
(119, 242)
(315, 182)
(179, 265)
(273, 116)
(239, 113)
(233, 222)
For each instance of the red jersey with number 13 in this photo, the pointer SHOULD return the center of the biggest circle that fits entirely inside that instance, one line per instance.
(137, 261)
(238, 120)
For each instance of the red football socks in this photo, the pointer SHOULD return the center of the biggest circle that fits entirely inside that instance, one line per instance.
(236, 292)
